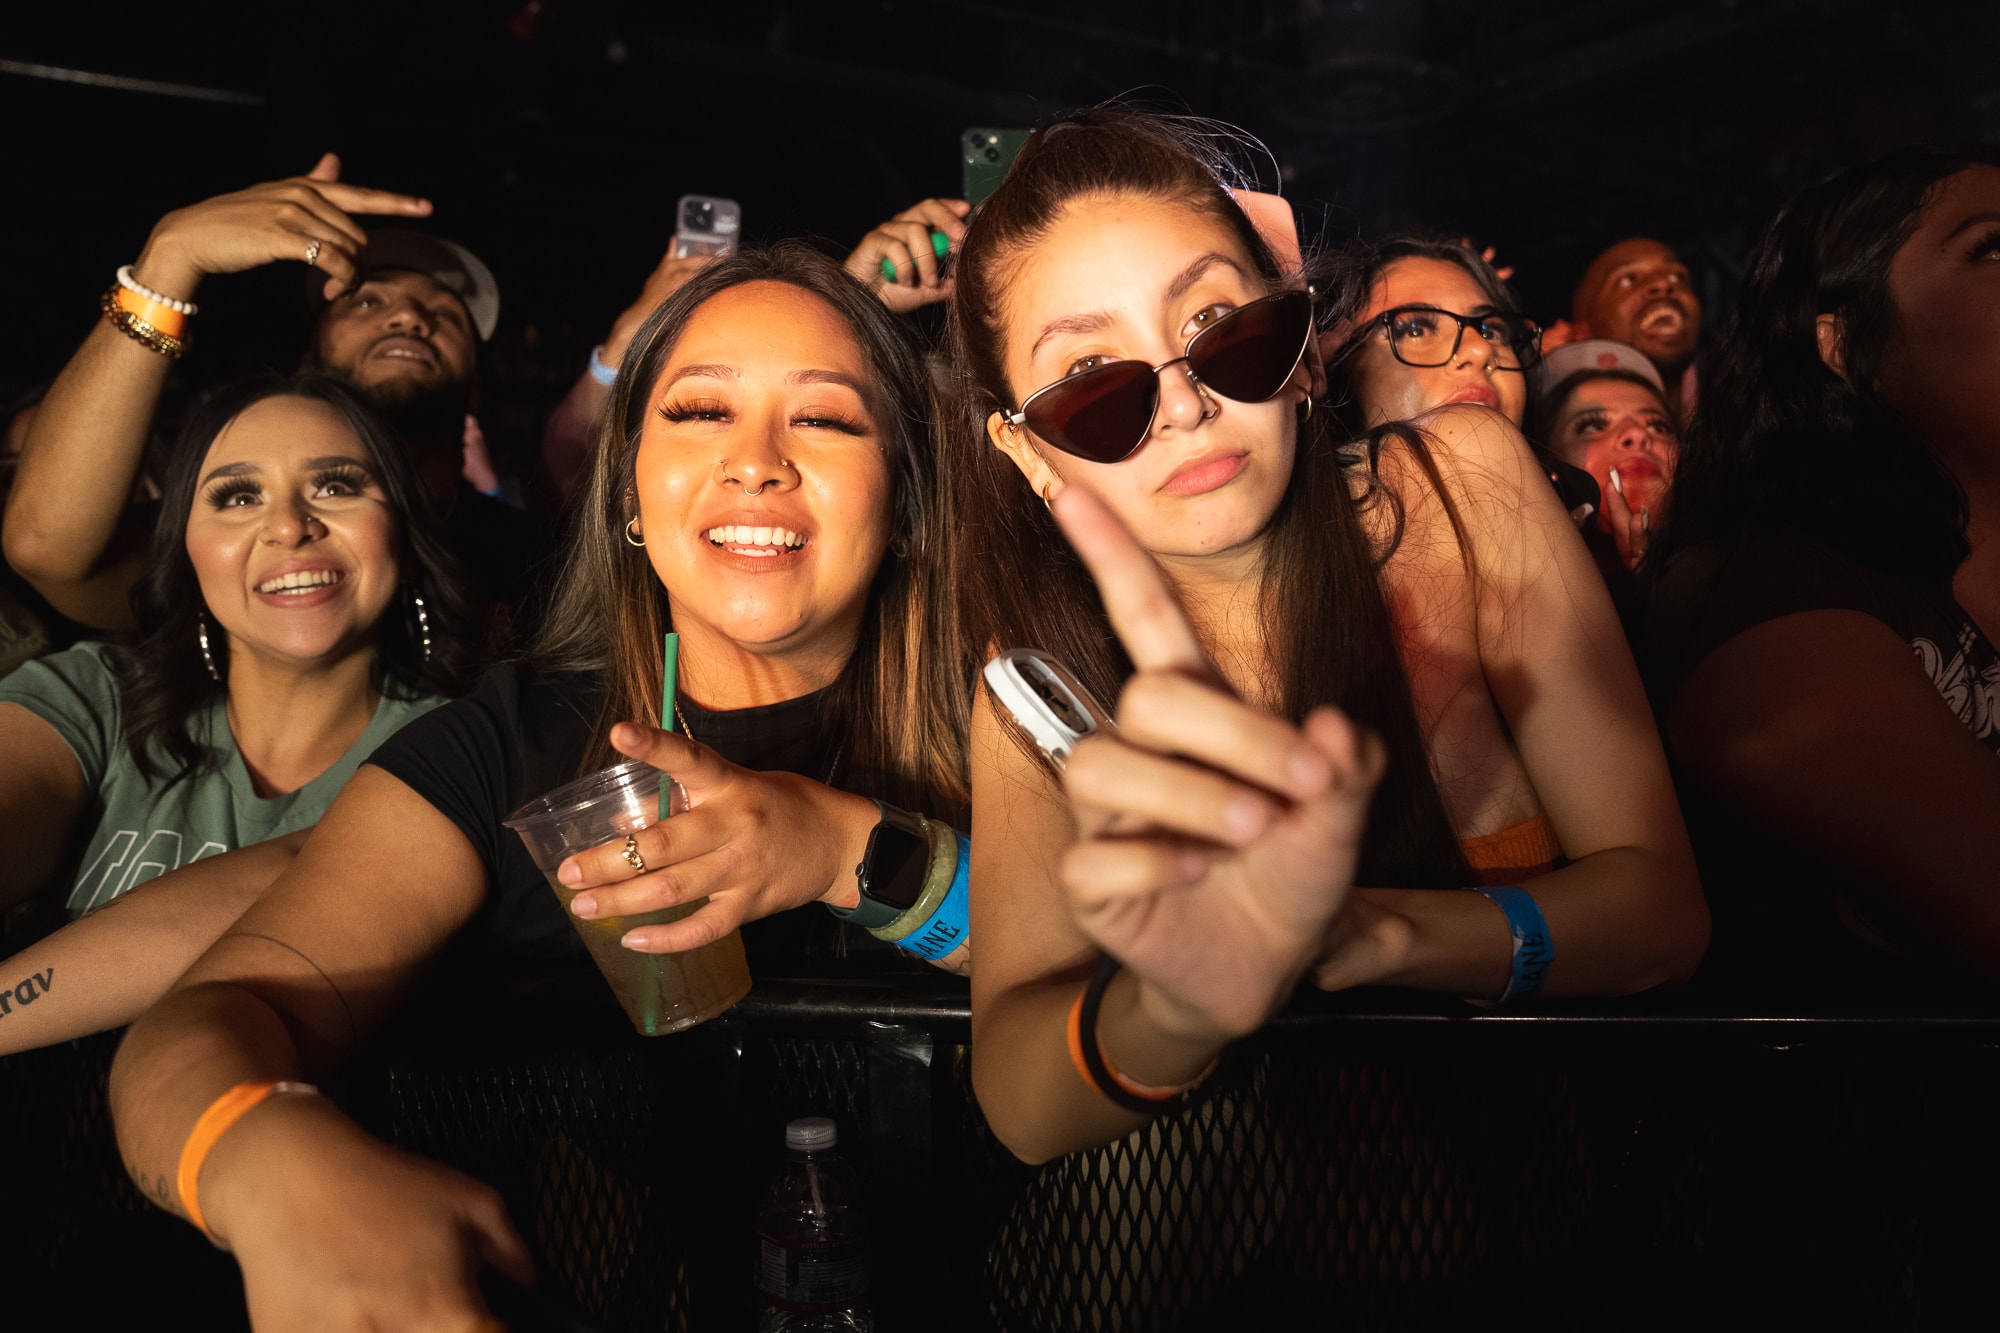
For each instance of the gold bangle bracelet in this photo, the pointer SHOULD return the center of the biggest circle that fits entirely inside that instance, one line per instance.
(139, 331)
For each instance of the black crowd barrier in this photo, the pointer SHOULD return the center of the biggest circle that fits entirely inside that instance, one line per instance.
(1366, 1163)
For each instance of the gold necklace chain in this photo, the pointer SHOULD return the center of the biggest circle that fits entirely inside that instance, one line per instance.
(687, 731)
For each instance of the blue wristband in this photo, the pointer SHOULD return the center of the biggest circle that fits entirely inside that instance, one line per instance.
(948, 926)
(603, 374)
(1533, 950)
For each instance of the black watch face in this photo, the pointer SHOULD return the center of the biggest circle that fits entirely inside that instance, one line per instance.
(897, 861)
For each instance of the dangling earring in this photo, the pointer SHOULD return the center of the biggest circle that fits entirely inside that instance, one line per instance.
(201, 636)
(423, 622)
(631, 533)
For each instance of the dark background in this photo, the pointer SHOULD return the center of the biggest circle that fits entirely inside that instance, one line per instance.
(555, 136)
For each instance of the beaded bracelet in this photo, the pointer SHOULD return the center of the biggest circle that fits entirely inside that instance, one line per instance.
(1086, 1052)
(138, 288)
(138, 330)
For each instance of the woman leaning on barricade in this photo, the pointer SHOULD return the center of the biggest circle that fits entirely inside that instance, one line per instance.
(1298, 723)
(1391, 668)
(762, 489)
(1820, 639)
(300, 607)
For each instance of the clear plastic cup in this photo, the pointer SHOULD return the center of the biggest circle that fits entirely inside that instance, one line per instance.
(660, 992)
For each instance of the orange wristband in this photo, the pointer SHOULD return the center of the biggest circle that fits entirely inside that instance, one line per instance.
(1145, 1092)
(223, 1112)
(164, 319)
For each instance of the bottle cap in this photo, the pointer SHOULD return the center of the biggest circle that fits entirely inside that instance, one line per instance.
(813, 1133)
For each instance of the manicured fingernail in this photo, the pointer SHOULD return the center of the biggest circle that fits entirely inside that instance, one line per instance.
(633, 940)
(1244, 816)
(1307, 767)
(1616, 484)
(584, 905)
(1645, 520)
(570, 873)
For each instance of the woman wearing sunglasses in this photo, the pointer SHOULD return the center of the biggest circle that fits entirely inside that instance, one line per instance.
(1302, 619)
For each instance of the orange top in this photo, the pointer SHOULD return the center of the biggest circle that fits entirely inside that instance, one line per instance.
(1511, 855)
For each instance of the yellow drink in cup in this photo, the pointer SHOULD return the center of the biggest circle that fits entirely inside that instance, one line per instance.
(659, 992)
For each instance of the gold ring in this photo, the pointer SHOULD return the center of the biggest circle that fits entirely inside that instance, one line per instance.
(312, 252)
(631, 853)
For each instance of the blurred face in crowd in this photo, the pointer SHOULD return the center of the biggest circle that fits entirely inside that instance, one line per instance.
(291, 535)
(1129, 277)
(762, 481)
(1607, 424)
(398, 335)
(1482, 372)
(1637, 293)
(1943, 359)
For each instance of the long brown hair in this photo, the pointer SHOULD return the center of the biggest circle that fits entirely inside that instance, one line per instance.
(898, 710)
(1018, 583)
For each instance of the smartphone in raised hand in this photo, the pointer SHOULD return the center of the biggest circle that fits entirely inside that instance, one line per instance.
(1046, 700)
(706, 225)
(984, 156)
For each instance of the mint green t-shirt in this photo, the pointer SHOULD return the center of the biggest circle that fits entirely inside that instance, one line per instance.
(141, 831)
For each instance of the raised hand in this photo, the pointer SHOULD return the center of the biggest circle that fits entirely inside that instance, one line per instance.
(1633, 532)
(668, 277)
(1216, 842)
(300, 216)
(751, 843)
(905, 242)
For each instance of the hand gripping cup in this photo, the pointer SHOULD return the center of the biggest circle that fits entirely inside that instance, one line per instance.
(660, 992)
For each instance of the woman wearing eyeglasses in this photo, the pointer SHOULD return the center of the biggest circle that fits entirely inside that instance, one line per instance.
(1435, 325)
(1305, 622)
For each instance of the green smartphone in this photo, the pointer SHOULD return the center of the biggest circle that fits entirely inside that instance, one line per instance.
(985, 156)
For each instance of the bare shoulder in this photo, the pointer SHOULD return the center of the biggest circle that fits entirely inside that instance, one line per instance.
(1479, 455)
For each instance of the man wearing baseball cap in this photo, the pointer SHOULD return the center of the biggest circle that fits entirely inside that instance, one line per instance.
(398, 313)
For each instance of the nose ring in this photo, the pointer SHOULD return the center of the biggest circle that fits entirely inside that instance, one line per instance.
(758, 491)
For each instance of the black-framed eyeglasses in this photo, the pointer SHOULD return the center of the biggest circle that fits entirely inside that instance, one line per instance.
(1425, 336)
(1105, 413)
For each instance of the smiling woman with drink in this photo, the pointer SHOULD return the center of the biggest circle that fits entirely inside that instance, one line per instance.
(299, 608)
(762, 489)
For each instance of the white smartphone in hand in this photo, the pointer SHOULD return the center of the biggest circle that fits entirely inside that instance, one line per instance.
(1047, 701)
(706, 225)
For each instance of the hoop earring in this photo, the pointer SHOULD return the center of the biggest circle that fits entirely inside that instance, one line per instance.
(631, 530)
(201, 637)
(1046, 488)
(1309, 409)
(423, 622)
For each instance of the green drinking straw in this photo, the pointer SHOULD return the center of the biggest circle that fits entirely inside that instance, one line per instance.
(670, 673)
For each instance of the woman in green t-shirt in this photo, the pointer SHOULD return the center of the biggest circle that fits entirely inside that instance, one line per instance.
(298, 607)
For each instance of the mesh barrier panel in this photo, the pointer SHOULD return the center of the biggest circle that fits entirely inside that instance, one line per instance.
(1411, 1182)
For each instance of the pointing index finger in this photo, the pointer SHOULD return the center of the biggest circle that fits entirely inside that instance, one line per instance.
(373, 203)
(1143, 610)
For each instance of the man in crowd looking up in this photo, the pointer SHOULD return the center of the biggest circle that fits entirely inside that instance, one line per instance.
(1638, 293)
(398, 315)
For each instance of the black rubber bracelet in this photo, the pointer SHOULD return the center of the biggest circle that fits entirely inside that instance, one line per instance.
(1093, 1057)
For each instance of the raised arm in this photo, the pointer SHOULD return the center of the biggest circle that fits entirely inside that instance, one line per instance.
(1206, 847)
(333, 1229)
(569, 438)
(104, 970)
(41, 795)
(1825, 730)
(82, 454)
(1627, 912)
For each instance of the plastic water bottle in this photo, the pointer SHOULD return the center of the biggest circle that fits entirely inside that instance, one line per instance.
(812, 1274)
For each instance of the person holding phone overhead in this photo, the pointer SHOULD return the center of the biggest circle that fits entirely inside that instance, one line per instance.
(1306, 624)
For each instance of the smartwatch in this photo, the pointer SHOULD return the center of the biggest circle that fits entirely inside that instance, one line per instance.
(891, 875)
